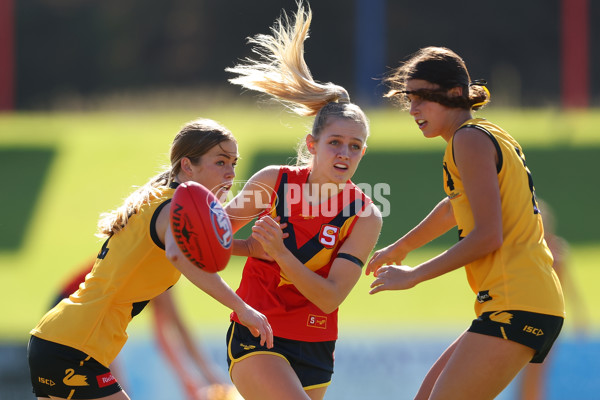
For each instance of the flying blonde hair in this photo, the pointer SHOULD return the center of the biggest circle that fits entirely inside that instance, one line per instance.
(281, 72)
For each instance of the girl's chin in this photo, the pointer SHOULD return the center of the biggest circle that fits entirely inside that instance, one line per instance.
(221, 194)
(341, 177)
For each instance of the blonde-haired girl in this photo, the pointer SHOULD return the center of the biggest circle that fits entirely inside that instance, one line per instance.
(317, 227)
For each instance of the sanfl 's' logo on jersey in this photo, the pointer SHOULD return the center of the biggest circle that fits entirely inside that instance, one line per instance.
(317, 321)
(328, 236)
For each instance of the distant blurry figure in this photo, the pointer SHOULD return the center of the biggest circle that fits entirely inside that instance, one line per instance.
(532, 383)
(176, 343)
(178, 346)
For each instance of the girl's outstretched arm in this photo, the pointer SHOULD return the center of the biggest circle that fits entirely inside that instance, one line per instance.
(217, 288)
(439, 221)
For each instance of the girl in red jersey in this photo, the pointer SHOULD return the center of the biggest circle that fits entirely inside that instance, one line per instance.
(491, 200)
(315, 225)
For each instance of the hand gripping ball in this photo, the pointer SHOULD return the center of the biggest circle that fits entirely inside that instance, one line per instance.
(201, 227)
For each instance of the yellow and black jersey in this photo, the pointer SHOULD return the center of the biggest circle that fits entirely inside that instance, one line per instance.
(129, 271)
(316, 233)
(519, 275)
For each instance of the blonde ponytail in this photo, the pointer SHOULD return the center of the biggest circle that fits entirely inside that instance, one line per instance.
(114, 221)
(281, 70)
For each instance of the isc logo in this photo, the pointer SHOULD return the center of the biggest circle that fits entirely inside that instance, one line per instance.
(46, 381)
(531, 329)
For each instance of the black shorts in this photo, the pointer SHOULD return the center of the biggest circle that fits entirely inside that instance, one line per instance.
(312, 361)
(538, 331)
(65, 372)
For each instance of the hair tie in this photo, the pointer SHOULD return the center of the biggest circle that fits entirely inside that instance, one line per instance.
(482, 83)
(341, 95)
(478, 82)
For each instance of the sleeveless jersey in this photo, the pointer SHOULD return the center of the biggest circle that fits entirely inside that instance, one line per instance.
(129, 271)
(73, 284)
(316, 232)
(518, 275)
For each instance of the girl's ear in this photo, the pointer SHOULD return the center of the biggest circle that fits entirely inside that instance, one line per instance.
(455, 92)
(310, 144)
(186, 166)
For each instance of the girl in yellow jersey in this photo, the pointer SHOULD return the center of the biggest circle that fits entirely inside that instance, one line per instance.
(491, 200)
(71, 348)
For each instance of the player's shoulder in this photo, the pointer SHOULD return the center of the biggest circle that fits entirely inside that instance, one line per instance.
(468, 132)
(263, 178)
(371, 215)
(470, 142)
(268, 173)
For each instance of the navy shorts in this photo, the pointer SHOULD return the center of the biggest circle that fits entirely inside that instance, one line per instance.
(312, 361)
(538, 331)
(65, 372)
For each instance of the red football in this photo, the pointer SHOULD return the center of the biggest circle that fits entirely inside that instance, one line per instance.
(201, 227)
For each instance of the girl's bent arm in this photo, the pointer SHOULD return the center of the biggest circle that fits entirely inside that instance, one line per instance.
(254, 198)
(439, 221)
(475, 157)
(476, 160)
(326, 293)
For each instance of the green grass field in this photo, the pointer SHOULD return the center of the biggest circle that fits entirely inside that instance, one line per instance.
(60, 171)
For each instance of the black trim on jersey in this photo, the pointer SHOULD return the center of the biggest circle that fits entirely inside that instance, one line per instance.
(312, 246)
(280, 211)
(173, 185)
(281, 190)
(137, 307)
(449, 180)
(351, 258)
(153, 233)
(279, 206)
(492, 138)
(534, 202)
(104, 249)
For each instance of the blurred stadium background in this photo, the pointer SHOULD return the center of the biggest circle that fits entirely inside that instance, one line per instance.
(92, 94)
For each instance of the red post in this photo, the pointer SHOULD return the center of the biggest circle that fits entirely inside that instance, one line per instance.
(575, 53)
(7, 55)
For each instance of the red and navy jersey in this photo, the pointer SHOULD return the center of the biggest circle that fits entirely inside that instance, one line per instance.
(316, 233)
